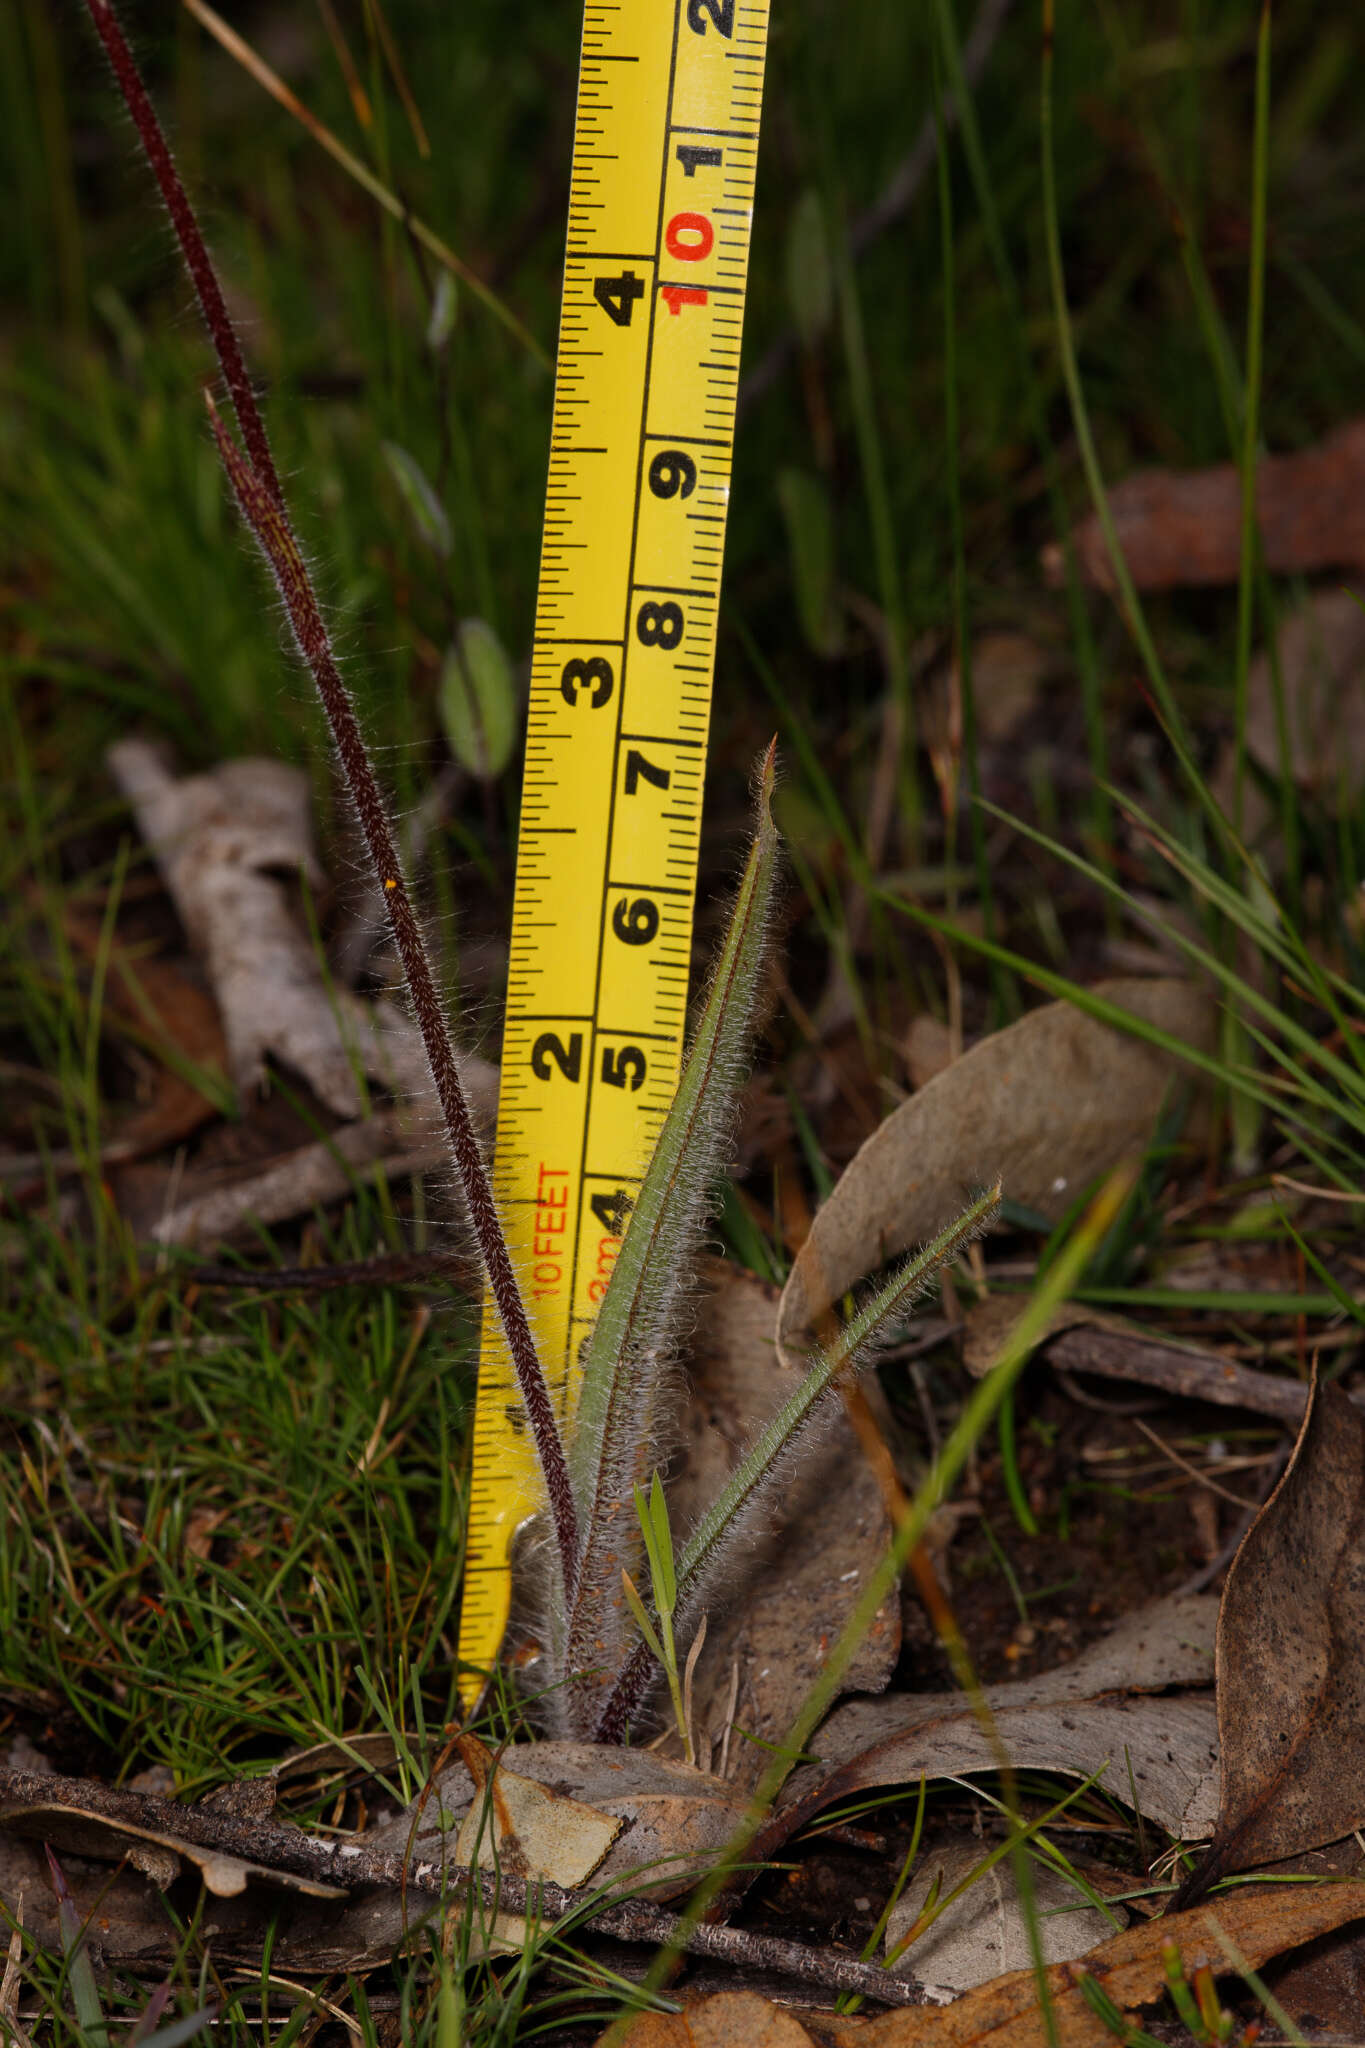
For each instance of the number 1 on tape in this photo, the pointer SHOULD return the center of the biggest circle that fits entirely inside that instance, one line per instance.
(661, 200)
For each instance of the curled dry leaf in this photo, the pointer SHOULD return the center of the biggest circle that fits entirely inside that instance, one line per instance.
(158, 1856)
(1291, 1655)
(1092, 1715)
(1185, 526)
(670, 1818)
(803, 1576)
(984, 1932)
(1047, 1105)
(1129, 1967)
(223, 842)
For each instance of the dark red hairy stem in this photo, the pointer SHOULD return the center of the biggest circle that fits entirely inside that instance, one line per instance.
(257, 487)
(269, 523)
(222, 333)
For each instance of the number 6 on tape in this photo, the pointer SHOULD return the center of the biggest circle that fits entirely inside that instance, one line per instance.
(665, 152)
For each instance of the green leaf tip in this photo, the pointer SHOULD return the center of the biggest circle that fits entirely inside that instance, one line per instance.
(628, 1356)
(767, 1463)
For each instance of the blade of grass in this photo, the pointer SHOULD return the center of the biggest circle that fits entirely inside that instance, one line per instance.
(975, 1419)
(1250, 998)
(1005, 1004)
(1168, 711)
(392, 205)
(1251, 418)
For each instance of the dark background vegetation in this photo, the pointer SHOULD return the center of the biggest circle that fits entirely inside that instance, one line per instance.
(129, 601)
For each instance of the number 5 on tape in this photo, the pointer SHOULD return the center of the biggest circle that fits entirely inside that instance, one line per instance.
(660, 206)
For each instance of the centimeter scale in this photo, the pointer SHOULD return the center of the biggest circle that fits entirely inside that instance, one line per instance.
(665, 154)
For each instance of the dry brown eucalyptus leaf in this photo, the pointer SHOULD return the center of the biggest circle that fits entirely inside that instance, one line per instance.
(1129, 1967)
(803, 1577)
(1005, 2013)
(1048, 1105)
(1291, 1655)
(1322, 668)
(158, 996)
(985, 1931)
(1322, 1987)
(673, 1818)
(730, 2019)
(1320, 650)
(1184, 526)
(1085, 1716)
(127, 1916)
(523, 1828)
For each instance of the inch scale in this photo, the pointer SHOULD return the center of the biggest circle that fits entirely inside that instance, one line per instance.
(664, 164)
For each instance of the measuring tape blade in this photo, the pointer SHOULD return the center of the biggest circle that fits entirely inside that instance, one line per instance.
(664, 165)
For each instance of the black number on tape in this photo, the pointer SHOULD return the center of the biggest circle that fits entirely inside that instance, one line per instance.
(720, 13)
(638, 769)
(549, 1046)
(624, 1069)
(635, 921)
(672, 474)
(579, 674)
(617, 295)
(659, 625)
(612, 1211)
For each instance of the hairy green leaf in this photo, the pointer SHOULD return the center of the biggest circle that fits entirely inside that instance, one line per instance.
(767, 1462)
(628, 1350)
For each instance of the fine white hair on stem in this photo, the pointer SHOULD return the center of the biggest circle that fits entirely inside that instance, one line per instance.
(601, 1667)
(256, 485)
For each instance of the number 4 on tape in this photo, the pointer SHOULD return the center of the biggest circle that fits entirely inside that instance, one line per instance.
(661, 199)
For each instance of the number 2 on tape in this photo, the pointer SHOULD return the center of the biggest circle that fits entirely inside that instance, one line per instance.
(661, 199)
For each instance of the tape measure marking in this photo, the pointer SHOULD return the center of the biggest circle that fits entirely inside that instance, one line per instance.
(665, 151)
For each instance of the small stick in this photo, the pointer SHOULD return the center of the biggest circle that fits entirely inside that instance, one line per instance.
(280, 1846)
(1194, 1375)
(261, 501)
(389, 1269)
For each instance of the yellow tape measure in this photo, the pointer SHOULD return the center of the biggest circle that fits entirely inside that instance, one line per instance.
(665, 156)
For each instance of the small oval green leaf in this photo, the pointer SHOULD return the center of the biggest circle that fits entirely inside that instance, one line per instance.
(810, 537)
(810, 275)
(478, 700)
(427, 512)
(445, 304)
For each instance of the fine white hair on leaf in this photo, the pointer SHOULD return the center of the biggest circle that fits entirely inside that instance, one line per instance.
(629, 1351)
(716, 1544)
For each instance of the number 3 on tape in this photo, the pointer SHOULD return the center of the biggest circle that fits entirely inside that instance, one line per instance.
(665, 153)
